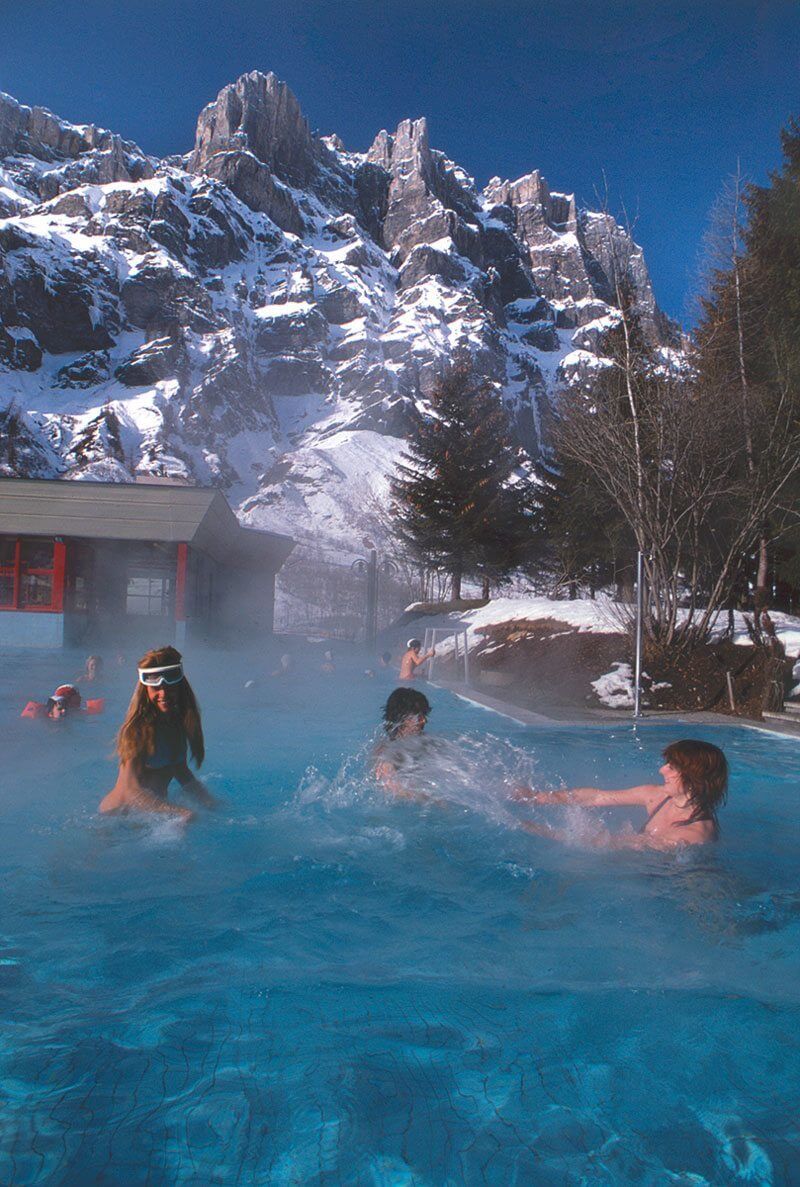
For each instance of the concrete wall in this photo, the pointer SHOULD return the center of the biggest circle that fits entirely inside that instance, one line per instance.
(20, 628)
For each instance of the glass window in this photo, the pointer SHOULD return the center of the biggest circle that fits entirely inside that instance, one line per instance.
(149, 595)
(36, 589)
(80, 594)
(37, 554)
(30, 568)
(6, 588)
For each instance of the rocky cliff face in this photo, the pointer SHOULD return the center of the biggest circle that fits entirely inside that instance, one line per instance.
(271, 311)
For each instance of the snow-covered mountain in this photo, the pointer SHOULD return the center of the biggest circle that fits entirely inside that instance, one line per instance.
(270, 311)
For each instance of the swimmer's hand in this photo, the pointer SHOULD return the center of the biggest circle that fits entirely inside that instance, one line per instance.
(529, 796)
(552, 797)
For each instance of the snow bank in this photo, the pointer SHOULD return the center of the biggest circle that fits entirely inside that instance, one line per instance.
(602, 616)
(615, 688)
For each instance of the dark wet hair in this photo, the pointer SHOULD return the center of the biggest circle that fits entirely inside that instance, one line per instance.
(386, 656)
(414, 644)
(703, 769)
(402, 704)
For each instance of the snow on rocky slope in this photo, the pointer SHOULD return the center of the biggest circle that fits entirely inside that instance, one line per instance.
(270, 311)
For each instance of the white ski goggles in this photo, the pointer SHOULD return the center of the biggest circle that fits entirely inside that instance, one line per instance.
(155, 677)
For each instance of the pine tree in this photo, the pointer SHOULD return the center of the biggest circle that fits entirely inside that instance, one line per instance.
(747, 339)
(462, 503)
(588, 541)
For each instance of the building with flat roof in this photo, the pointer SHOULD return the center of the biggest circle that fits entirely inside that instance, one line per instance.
(83, 561)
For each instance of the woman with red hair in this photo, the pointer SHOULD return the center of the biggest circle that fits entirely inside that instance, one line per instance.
(681, 811)
(163, 720)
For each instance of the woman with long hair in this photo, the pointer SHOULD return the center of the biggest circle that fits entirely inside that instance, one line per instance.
(681, 811)
(162, 722)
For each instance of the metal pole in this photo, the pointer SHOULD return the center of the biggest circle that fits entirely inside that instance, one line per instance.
(637, 691)
(372, 599)
(466, 658)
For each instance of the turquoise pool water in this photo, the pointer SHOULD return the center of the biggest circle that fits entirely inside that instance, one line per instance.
(318, 986)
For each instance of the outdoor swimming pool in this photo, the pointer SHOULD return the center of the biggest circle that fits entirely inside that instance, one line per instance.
(318, 986)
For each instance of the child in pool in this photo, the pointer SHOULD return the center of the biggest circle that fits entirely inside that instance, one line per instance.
(56, 707)
(163, 717)
(682, 810)
(405, 716)
(93, 670)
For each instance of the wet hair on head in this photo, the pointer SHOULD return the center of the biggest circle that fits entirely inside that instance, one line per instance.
(402, 704)
(136, 739)
(414, 644)
(703, 769)
(386, 656)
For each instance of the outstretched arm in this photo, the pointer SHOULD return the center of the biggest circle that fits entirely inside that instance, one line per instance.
(593, 797)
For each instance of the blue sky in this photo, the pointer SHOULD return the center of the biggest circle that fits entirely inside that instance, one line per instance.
(660, 99)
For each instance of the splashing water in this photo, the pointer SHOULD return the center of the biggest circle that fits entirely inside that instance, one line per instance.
(324, 983)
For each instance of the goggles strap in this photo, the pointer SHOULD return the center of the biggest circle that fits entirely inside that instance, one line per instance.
(160, 675)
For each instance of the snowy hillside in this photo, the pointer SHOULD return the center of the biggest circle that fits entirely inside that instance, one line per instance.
(269, 312)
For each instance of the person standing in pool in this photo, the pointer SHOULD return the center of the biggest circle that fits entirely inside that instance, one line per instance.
(681, 811)
(163, 720)
(413, 660)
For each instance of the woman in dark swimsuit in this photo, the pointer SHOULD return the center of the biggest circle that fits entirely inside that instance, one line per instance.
(682, 810)
(163, 719)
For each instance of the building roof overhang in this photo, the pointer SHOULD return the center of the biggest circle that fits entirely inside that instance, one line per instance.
(157, 513)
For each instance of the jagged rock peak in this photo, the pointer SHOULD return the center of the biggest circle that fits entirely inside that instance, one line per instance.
(558, 210)
(76, 153)
(24, 128)
(258, 114)
(408, 147)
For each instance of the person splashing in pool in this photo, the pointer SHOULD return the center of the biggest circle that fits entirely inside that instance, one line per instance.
(413, 660)
(681, 811)
(405, 716)
(163, 718)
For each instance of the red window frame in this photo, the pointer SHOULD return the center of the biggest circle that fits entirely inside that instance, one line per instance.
(56, 572)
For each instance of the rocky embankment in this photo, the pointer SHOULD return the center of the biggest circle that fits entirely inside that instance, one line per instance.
(564, 659)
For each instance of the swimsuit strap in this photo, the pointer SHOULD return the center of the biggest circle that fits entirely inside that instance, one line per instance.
(656, 811)
(698, 820)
